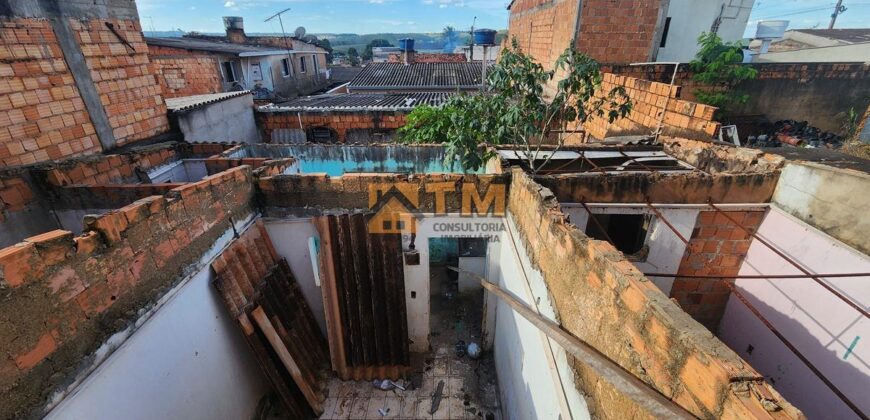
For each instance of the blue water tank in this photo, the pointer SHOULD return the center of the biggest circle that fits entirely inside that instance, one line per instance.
(484, 37)
(406, 44)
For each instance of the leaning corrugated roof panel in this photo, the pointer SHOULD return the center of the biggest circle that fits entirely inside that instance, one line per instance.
(360, 102)
(418, 75)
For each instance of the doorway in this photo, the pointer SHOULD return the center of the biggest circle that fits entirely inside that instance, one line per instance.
(456, 314)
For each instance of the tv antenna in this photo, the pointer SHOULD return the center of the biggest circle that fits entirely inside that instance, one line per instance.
(283, 34)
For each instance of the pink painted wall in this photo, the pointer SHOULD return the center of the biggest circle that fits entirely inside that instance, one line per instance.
(815, 321)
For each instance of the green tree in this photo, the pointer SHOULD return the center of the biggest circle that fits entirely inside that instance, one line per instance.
(516, 111)
(719, 67)
(353, 56)
(367, 52)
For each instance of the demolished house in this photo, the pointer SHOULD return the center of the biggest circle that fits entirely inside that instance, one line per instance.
(148, 278)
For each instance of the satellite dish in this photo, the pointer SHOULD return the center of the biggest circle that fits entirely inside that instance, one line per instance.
(300, 32)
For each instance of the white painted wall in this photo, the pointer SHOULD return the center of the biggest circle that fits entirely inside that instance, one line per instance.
(665, 247)
(290, 237)
(185, 170)
(818, 324)
(189, 360)
(531, 386)
(689, 18)
(475, 265)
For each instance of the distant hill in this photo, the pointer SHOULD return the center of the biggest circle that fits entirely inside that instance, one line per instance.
(341, 42)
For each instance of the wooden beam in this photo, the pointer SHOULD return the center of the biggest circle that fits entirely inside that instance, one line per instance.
(624, 381)
(334, 328)
(278, 345)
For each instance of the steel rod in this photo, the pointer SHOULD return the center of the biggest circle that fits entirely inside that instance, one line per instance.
(815, 277)
(624, 381)
(666, 222)
(794, 350)
(598, 224)
(759, 276)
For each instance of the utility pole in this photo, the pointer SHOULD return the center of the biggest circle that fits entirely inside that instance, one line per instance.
(284, 34)
(839, 8)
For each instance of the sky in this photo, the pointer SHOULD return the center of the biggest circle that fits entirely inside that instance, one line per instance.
(374, 16)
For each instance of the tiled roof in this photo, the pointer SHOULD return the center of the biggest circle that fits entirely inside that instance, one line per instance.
(186, 103)
(417, 76)
(210, 46)
(360, 102)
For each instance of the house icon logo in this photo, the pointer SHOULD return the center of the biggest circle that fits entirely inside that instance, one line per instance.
(395, 208)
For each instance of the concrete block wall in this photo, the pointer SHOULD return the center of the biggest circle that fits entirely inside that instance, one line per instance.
(650, 99)
(64, 296)
(717, 247)
(813, 92)
(604, 300)
(42, 116)
(184, 72)
(124, 77)
(339, 122)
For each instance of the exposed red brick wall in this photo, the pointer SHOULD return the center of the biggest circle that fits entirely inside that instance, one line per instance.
(42, 116)
(601, 298)
(618, 31)
(64, 296)
(125, 79)
(682, 118)
(610, 31)
(183, 72)
(338, 122)
(15, 194)
(717, 248)
(106, 169)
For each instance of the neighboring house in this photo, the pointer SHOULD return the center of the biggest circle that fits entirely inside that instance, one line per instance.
(351, 118)
(623, 31)
(188, 66)
(200, 64)
(417, 77)
(491, 52)
(817, 45)
(382, 54)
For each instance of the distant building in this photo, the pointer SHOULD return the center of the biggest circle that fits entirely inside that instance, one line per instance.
(344, 118)
(382, 54)
(199, 64)
(491, 52)
(817, 45)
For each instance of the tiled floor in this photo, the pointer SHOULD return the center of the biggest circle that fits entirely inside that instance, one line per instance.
(470, 390)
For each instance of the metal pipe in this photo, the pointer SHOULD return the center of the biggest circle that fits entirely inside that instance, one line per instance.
(815, 277)
(758, 276)
(622, 380)
(598, 224)
(794, 350)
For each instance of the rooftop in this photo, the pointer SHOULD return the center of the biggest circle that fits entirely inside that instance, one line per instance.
(361, 102)
(187, 103)
(852, 36)
(419, 76)
(214, 46)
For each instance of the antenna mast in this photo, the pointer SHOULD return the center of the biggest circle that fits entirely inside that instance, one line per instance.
(283, 34)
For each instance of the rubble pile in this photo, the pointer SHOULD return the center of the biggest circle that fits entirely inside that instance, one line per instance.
(797, 134)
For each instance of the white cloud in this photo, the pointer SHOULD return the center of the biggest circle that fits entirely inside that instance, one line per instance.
(376, 1)
(230, 3)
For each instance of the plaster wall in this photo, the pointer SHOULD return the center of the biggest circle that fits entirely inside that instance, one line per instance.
(189, 360)
(829, 199)
(230, 120)
(290, 238)
(689, 18)
(186, 170)
(829, 333)
(533, 382)
(665, 248)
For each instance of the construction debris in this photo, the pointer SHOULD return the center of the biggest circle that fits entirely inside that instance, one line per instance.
(795, 133)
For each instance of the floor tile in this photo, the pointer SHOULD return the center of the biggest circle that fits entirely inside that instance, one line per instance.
(359, 409)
